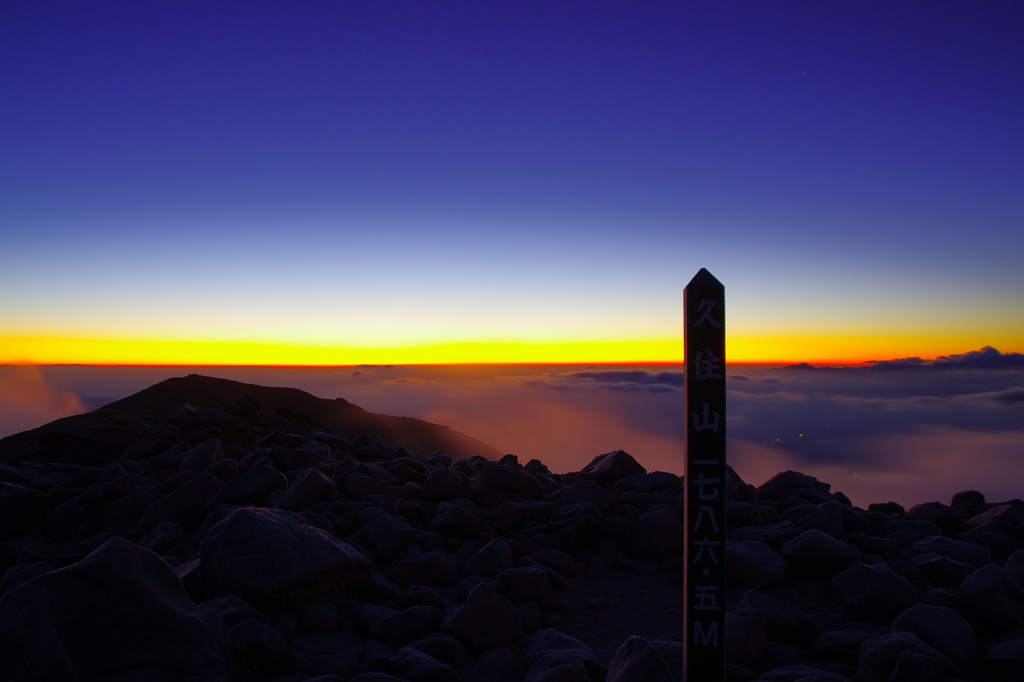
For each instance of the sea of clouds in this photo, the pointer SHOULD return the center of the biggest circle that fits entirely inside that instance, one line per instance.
(905, 430)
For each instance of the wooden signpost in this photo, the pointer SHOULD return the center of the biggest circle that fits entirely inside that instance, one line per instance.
(704, 475)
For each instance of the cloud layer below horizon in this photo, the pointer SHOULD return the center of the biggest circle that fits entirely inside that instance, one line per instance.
(907, 432)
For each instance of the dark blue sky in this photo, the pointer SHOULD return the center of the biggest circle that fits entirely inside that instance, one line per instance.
(856, 167)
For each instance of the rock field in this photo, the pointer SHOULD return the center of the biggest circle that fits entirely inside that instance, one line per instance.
(238, 543)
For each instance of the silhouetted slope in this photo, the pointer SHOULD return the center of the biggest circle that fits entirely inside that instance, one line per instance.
(107, 425)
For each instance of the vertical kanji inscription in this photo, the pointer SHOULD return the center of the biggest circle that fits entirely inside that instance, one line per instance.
(704, 475)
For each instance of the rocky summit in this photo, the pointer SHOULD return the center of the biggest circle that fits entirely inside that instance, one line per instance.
(206, 530)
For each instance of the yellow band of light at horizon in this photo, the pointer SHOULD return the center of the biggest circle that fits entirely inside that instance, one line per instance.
(745, 350)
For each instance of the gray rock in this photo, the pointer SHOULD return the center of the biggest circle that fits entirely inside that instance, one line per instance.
(406, 626)
(608, 468)
(419, 595)
(944, 630)
(309, 489)
(585, 509)
(782, 486)
(490, 560)
(19, 574)
(947, 518)
(880, 654)
(270, 558)
(775, 535)
(738, 514)
(184, 505)
(486, 621)
(432, 569)
(637, 661)
(745, 637)
(918, 527)
(202, 456)
(371, 614)
(456, 521)
(1015, 565)
(911, 667)
(510, 479)
(941, 570)
(957, 550)
(257, 645)
(441, 485)
(778, 623)
(826, 517)
(671, 652)
(444, 648)
(523, 585)
(874, 591)
(816, 554)
(359, 485)
(589, 491)
(969, 503)
(334, 653)
(120, 612)
(658, 534)
(1005, 661)
(553, 656)
(754, 564)
(390, 535)
(556, 559)
(995, 597)
(254, 486)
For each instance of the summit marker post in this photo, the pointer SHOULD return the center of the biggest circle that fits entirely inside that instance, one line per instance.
(704, 476)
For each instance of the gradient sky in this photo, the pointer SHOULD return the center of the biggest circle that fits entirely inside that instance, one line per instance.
(335, 183)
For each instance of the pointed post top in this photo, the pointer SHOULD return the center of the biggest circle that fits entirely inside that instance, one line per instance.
(703, 279)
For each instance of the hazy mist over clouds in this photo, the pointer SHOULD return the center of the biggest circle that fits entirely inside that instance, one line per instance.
(909, 431)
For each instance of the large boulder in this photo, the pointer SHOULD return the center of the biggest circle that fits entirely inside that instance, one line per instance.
(638, 661)
(658, 534)
(417, 666)
(272, 558)
(874, 591)
(944, 630)
(995, 597)
(390, 535)
(816, 554)
(1005, 661)
(608, 468)
(310, 488)
(119, 614)
(185, 505)
(486, 621)
(589, 491)
(510, 480)
(881, 654)
(754, 564)
(490, 560)
(553, 656)
(523, 585)
(745, 637)
(957, 550)
(406, 626)
(782, 486)
(253, 486)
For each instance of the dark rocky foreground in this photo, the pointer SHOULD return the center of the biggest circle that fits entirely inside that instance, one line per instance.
(155, 541)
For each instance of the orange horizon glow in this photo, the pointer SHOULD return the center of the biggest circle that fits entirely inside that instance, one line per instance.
(740, 350)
